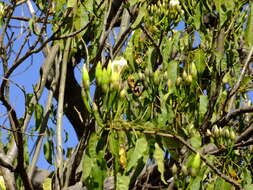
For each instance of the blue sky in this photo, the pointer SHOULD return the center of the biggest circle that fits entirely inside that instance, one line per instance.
(27, 76)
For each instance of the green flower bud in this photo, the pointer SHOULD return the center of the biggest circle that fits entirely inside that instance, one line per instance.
(179, 81)
(115, 81)
(157, 77)
(141, 76)
(123, 93)
(86, 78)
(232, 135)
(226, 133)
(99, 73)
(169, 83)
(196, 161)
(208, 133)
(215, 131)
(194, 70)
(185, 75)
(174, 169)
(189, 79)
(184, 170)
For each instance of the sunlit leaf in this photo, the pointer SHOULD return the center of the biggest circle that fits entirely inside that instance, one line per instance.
(71, 3)
(159, 157)
(195, 183)
(123, 182)
(87, 166)
(140, 148)
(221, 184)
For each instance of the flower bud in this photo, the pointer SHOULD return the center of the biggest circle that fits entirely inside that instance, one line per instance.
(189, 79)
(179, 81)
(215, 131)
(169, 83)
(86, 78)
(99, 73)
(196, 161)
(232, 135)
(184, 170)
(208, 133)
(185, 75)
(226, 133)
(157, 77)
(174, 169)
(194, 70)
(123, 93)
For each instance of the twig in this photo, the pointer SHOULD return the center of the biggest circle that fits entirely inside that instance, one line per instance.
(59, 151)
(232, 114)
(237, 85)
(182, 141)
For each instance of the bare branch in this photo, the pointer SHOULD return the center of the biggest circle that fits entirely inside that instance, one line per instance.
(59, 152)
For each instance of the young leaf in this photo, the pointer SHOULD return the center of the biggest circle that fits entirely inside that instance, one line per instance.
(159, 157)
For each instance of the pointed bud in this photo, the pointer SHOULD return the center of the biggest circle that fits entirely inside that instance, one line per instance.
(99, 73)
(174, 169)
(196, 161)
(86, 78)
(189, 79)
(179, 81)
(185, 75)
(184, 170)
(194, 71)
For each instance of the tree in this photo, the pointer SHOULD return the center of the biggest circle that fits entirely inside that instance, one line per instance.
(171, 105)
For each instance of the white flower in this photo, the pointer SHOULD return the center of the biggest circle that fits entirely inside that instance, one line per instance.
(118, 65)
(174, 3)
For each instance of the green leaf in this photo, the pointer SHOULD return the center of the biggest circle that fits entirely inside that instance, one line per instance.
(92, 145)
(113, 143)
(203, 103)
(89, 5)
(122, 182)
(172, 72)
(38, 116)
(197, 16)
(246, 176)
(87, 166)
(71, 3)
(196, 140)
(48, 150)
(199, 59)
(221, 184)
(140, 148)
(141, 14)
(159, 157)
(249, 28)
(195, 183)
(248, 187)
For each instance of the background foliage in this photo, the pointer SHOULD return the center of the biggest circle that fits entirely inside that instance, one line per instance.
(164, 101)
